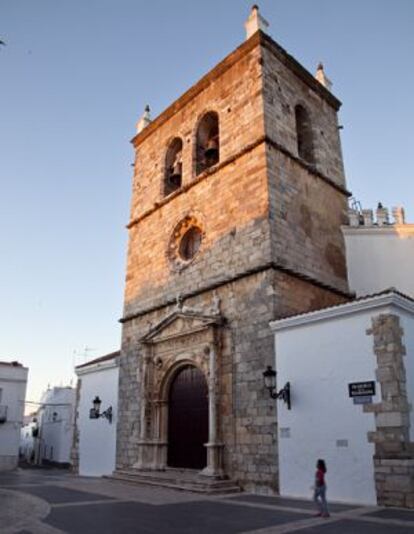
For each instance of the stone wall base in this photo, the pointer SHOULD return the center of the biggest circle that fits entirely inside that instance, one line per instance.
(394, 479)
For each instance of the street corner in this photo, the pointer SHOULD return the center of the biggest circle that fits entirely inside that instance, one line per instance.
(19, 511)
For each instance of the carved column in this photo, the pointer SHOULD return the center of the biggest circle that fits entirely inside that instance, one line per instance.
(214, 466)
(159, 442)
(143, 460)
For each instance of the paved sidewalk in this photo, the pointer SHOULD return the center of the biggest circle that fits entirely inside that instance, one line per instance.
(55, 502)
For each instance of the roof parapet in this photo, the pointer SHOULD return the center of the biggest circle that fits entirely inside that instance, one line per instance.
(359, 217)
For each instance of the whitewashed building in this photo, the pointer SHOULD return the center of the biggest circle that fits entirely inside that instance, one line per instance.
(95, 440)
(55, 425)
(350, 369)
(379, 252)
(27, 438)
(13, 381)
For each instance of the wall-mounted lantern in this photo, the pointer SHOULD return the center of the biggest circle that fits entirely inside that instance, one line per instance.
(94, 413)
(269, 377)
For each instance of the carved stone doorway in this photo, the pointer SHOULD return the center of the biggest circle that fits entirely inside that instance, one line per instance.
(183, 340)
(188, 419)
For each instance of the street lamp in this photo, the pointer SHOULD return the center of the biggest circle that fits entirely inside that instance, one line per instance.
(269, 378)
(94, 413)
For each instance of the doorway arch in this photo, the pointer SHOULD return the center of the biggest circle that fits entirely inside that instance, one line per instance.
(187, 419)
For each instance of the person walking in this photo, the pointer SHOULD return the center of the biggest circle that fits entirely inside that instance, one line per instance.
(319, 495)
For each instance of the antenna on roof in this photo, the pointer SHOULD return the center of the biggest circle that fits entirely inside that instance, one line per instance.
(83, 353)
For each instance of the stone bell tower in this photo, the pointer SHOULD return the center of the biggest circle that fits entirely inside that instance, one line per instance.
(237, 202)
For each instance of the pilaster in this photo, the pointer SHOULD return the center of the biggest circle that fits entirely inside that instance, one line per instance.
(394, 459)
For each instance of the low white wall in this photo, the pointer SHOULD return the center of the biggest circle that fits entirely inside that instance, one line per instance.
(320, 360)
(97, 437)
(57, 424)
(379, 258)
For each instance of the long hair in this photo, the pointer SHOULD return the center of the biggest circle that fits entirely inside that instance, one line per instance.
(321, 465)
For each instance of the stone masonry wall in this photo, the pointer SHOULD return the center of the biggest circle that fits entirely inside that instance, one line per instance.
(308, 203)
(230, 201)
(248, 416)
(231, 207)
(306, 215)
(394, 453)
(237, 98)
(236, 203)
(282, 91)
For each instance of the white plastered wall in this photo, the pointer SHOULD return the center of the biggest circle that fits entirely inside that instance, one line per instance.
(97, 437)
(56, 434)
(13, 381)
(379, 258)
(320, 359)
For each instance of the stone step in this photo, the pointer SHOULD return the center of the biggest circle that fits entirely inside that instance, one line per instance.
(178, 480)
(178, 476)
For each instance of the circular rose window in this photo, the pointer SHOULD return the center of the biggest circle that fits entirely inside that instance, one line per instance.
(185, 242)
(190, 243)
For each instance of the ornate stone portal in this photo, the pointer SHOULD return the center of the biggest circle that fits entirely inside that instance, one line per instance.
(185, 337)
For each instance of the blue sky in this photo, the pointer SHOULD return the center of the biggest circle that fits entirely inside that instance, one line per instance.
(76, 75)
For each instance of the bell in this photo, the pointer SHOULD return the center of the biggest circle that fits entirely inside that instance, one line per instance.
(211, 150)
(175, 175)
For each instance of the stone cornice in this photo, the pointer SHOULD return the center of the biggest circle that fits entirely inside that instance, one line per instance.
(198, 87)
(312, 169)
(229, 279)
(205, 174)
(299, 70)
(391, 229)
(258, 39)
(349, 308)
(216, 168)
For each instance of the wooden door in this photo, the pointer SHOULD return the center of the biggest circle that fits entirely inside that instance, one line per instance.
(188, 419)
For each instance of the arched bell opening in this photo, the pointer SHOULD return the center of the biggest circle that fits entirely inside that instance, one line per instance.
(207, 142)
(188, 414)
(173, 166)
(304, 134)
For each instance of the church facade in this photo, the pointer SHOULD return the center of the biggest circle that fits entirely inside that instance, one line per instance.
(237, 204)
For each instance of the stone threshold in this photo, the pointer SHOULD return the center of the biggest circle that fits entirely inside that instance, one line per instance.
(177, 479)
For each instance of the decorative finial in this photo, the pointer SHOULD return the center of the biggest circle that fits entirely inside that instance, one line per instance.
(144, 120)
(216, 302)
(382, 215)
(322, 78)
(399, 214)
(255, 22)
(179, 302)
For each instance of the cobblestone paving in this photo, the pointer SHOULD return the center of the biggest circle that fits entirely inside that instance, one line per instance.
(55, 502)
